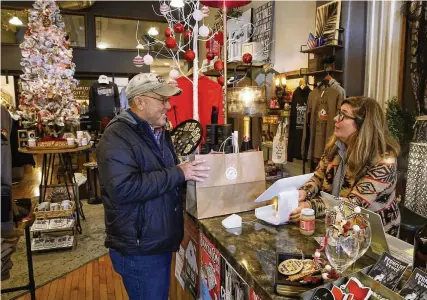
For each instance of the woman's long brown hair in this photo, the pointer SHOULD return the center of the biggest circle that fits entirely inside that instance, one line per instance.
(370, 142)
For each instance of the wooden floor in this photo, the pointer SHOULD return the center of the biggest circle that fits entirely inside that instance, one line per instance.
(96, 280)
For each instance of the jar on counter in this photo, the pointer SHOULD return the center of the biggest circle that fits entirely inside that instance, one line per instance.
(307, 221)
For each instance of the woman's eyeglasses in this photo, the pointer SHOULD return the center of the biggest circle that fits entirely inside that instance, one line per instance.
(342, 116)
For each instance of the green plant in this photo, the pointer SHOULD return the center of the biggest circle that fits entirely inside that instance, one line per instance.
(400, 122)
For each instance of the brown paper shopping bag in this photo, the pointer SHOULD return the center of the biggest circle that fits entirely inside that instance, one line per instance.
(235, 181)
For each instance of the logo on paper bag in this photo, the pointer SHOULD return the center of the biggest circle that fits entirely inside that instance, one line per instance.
(231, 173)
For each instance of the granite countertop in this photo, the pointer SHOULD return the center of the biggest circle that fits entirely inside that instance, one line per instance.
(251, 250)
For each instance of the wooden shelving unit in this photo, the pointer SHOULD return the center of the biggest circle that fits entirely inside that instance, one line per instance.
(320, 49)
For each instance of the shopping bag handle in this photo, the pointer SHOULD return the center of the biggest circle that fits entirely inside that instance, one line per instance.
(223, 145)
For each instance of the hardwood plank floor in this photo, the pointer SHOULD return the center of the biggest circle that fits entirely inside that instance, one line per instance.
(84, 283)
(94, 281)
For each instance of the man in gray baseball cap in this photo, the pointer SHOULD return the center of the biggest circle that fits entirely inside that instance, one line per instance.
(141, 188)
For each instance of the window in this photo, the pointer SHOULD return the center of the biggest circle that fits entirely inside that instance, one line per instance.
(12, 31)
(115, 33)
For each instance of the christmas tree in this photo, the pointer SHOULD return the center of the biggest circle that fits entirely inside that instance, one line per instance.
(47, 83)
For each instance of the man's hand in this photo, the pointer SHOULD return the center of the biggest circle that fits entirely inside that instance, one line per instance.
(296, 214)
(194, 171)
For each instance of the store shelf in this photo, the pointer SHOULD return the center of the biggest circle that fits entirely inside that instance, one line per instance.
(68, 228)
(210, 71)
(314, 73)
(41, 244)
(322, 49)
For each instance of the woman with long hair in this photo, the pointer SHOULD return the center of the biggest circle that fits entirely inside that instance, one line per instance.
(358, 165)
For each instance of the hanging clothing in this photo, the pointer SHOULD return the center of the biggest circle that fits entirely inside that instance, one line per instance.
(322, 107)
(297, 121)
(102, 100)
(209, 93)
(336, 85)
(19, 159)
(124, 103)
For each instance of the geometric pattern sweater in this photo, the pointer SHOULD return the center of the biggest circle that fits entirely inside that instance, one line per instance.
(375, 191)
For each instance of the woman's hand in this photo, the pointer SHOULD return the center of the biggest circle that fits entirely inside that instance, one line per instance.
(295, 215)
(301, 195)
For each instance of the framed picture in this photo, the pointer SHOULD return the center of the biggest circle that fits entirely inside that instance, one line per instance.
(328, 22)
(31, 134)
(23, 144)
(22, 134)
(263, 20)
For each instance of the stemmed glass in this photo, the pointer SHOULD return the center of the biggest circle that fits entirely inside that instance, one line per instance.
(364, 236)
(341, 250)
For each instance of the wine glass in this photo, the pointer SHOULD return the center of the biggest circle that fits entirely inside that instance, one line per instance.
(364, 236)
(340, 250)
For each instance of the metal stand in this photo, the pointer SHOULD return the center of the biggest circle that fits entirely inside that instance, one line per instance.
(67, 174)
(31, 286)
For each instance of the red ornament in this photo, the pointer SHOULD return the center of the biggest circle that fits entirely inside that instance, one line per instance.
(221, 80)
(219, 65)
(178, 28)
(170, 42)
(189, 55)
(187, 35)
(168, 32)
(210, 55)
(227, 3)
(247, 58)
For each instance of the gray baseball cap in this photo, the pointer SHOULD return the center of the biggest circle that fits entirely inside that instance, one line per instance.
(150, 82)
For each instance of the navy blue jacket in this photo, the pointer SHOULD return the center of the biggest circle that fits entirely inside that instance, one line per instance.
(141, 191)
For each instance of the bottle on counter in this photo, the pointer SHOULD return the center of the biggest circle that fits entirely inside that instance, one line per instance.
(307, 221)
(420, 249)
(247, 142)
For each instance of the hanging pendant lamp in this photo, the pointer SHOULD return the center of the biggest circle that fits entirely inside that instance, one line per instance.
(227, 3)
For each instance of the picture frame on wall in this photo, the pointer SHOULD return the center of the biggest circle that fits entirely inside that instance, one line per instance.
(328, 22)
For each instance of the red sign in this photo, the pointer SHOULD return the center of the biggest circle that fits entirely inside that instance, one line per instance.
(210, 262)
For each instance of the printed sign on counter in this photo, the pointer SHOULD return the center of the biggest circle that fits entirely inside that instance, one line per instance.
(233, 287)
(209, 270)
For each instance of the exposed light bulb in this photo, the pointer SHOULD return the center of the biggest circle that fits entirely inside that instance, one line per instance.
(277, 81)
(15, 21)
(102, 45)
(177, 3)
(247, 95)
(283, 80)
(167, 64)
(153, 31)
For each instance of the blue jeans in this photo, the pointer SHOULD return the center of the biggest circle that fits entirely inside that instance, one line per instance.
(146, 277)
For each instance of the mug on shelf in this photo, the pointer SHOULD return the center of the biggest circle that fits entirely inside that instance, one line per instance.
(65, 204)
(32, 142)
(70, 141)
(54, 206)
(44, 206)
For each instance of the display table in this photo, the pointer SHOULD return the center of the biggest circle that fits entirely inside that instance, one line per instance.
(65, 163)
(251, 250)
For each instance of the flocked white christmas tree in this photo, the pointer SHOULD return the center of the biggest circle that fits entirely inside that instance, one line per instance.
(47, 83)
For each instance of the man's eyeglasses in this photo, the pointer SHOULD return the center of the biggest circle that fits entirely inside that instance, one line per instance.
(164, 100)
(342, 116)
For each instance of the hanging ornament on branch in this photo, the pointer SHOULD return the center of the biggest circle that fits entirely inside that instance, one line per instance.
(138, 61)
(247, 58)
(189, 55)
(178, 28)
(187, 35)
(204, 31)
(219, 65)
(148, 59)
(221, 80)
(198, 15)
(170, 42)
(210, 55)
(168, 32)
(164, 9)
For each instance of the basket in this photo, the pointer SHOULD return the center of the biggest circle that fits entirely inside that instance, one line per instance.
(55, 213)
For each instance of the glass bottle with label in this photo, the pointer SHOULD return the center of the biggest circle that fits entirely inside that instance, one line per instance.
(247, 142)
